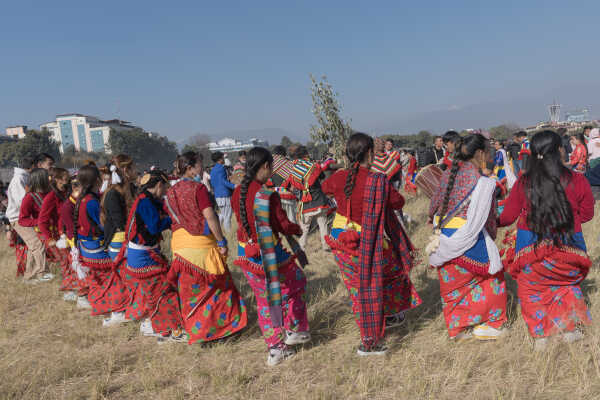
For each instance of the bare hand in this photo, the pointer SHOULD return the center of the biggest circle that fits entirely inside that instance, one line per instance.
(9, 235)
(51, 243)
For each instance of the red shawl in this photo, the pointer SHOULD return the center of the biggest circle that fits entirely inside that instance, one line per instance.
(376, 222)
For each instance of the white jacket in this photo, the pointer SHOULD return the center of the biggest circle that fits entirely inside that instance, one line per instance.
(15, 193)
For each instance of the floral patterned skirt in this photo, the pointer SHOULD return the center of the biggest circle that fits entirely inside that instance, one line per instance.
(551, 298)
(469, 299)
(156, 299)
(107, 292)
(293, 287)
(211, 306)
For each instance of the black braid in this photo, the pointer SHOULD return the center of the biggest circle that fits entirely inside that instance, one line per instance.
(350, 180)
(357, 149)
(451, 179)
(255, 159)
(243, 194)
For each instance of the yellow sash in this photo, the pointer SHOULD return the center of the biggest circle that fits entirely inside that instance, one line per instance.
(341, 222)
(200, 250)
(119, 237)
(454, 223)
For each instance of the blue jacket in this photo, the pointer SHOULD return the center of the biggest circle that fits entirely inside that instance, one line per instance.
(219, 182)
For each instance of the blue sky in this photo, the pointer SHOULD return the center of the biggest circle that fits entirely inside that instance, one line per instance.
(180, 68)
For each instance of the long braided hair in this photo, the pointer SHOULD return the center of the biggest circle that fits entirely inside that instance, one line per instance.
(357, 149)
(255, 159)
(550, 214)
(88, 177)
(465, 151)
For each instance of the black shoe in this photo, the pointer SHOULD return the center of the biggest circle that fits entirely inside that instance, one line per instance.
(377, 350)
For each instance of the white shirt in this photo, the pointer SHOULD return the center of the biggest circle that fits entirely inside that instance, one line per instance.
(15, 193)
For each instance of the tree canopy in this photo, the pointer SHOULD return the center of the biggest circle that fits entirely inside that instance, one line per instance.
(12, 151)
(146, 149)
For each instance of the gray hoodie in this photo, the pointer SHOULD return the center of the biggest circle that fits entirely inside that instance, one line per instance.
(15, 193)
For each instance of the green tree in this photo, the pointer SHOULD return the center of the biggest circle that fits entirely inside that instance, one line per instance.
(330, 129)
(286, 142)
(424, 137)
(146, 149)
(504, 131)
(34, 142)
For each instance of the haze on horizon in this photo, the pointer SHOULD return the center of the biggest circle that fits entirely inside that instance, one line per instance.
(219, 68)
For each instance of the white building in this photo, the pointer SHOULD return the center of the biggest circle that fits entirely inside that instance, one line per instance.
(228, 144)
(17, 131)
(84, 132)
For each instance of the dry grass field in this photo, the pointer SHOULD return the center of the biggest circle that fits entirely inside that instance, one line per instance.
(51, 350)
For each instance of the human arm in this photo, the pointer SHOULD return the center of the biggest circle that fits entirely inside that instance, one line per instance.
(585, 200)
(331, 184)
(48, 208)
(27, 211)
(514, 204)
(278, 218)
(396, 200)
(93, 211)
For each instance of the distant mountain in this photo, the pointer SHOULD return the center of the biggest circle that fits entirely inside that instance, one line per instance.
(522, 111)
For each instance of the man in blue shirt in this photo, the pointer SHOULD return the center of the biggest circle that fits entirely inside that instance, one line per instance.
(222, 189)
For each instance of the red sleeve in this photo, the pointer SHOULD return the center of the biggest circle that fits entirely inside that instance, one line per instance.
(26, 212)
(203, 198)
(514, 205)
(279, 219)
(396, 201)
(330, 185)
(48, 207)
(585, 199)
(66, 216)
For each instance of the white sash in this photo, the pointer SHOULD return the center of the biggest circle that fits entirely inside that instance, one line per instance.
(466, 236)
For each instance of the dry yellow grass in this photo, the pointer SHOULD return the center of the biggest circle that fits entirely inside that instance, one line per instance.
(50, 350)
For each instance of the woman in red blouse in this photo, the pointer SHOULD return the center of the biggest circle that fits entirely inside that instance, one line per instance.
(550, 203)
(578, 159)
(36, 268)
(199, 267)
(49, 223)
(355, 232)
(277, 281)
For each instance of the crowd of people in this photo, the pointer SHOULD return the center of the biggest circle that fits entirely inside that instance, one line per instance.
(104, 226)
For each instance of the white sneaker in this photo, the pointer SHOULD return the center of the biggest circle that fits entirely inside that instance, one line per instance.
(47, 277)
(116, 318)
(572, 336)
(278, 354)
(147, 330)
(464, 335)
(485, 332)
(294, 338)
(540, 344)
(83, 303)
(70, 296)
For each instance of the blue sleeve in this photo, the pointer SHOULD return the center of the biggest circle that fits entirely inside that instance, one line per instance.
(149, 215)
(499, 161)
(228, 184)
(165, 224)
(93, 211)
